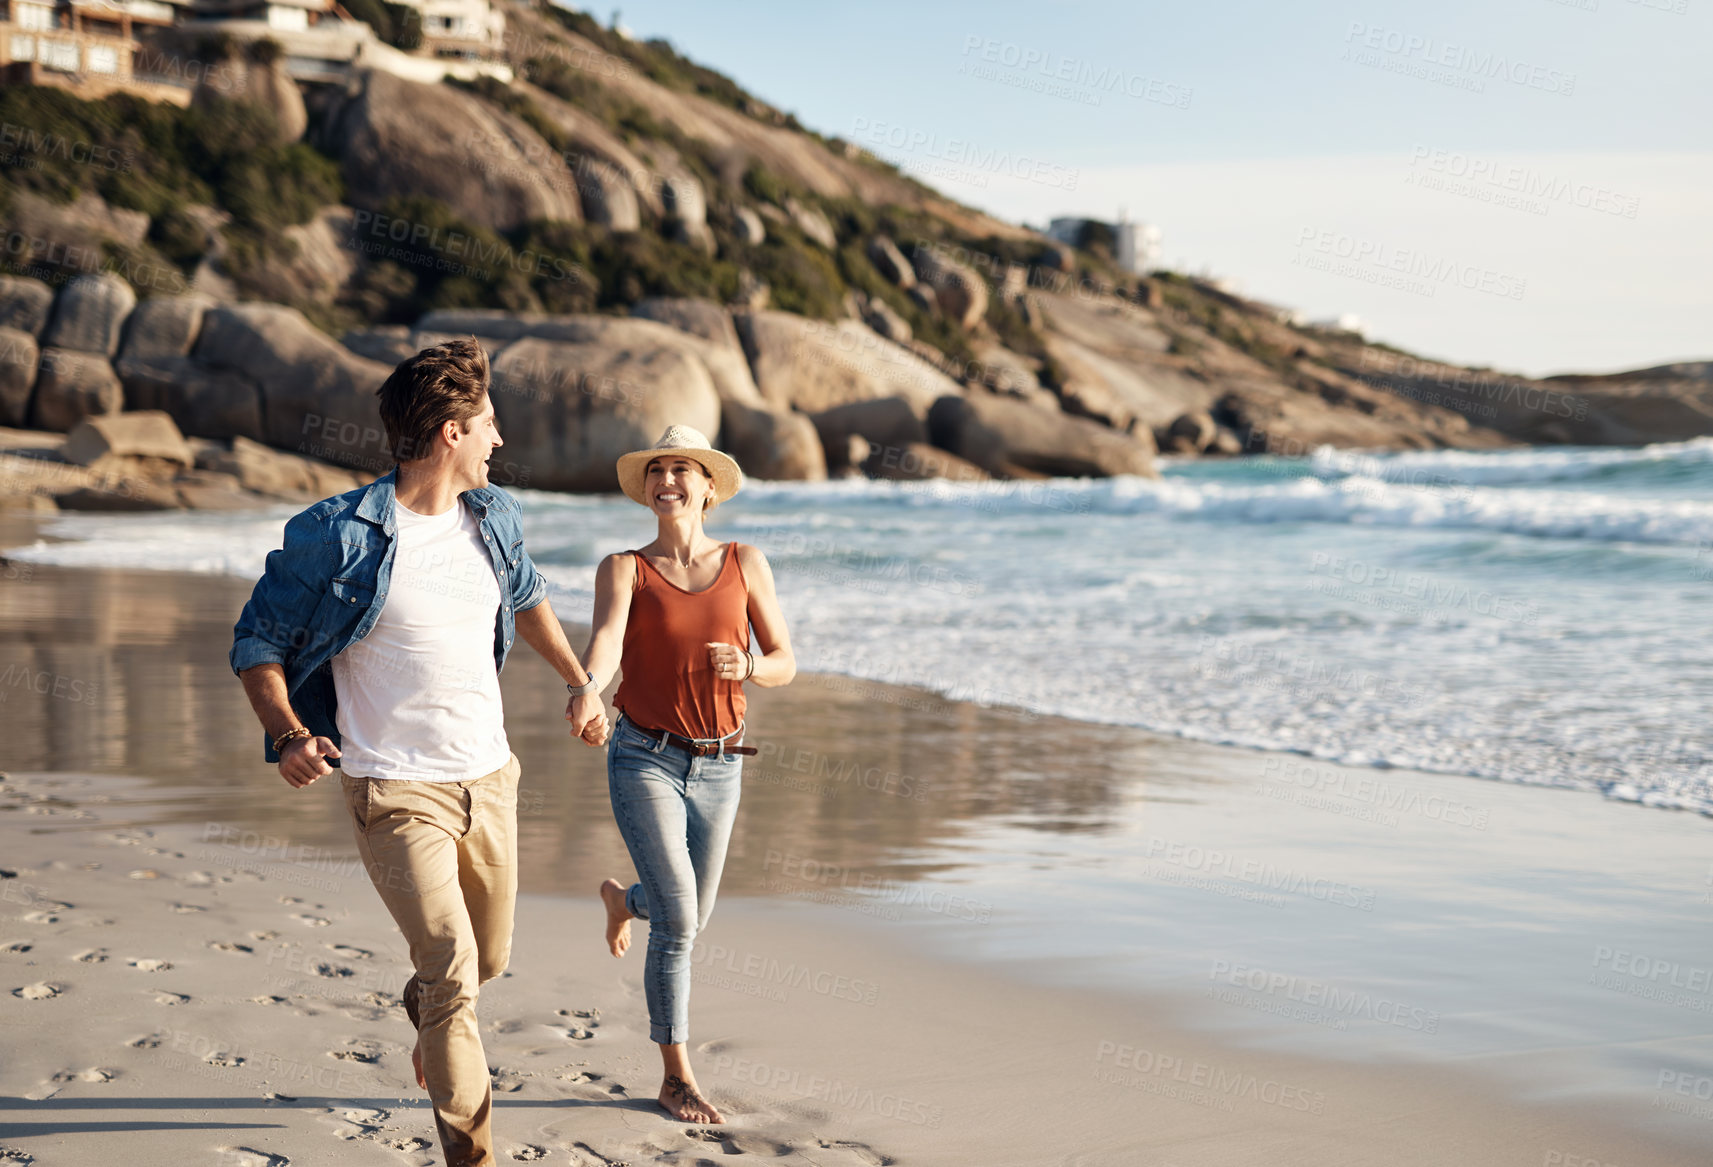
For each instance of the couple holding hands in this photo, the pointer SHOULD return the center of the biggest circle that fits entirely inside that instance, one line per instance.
(374, 642)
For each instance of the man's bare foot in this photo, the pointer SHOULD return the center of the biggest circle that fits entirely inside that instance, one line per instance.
(685, 1103)
(618, 916)
(416, 1064)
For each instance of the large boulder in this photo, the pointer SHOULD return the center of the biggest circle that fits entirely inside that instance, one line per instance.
(71, 386)
(164, 326)
(712, 323)
(274, 472)
(25, 304)
(885, 422)
(204, 401)
(97, 442)
(386, 343)
(1009, 438)
(888, 323)
(725, 364)
(19, 358)
(494, 323)
(395, 137)
(772, 443)
(90, 315)
(1189, 433)
(607, 195)
(685, 206)
(748, 227)
(317, 396)
(702, 318)
(812, 365)
(255, 73)
(917, 461)
(812, 223)
(960, 293)
(681, 324)
(568, 409)
(890, 262)
(70, 236)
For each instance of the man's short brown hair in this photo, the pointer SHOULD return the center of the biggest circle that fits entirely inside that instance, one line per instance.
(448, 382)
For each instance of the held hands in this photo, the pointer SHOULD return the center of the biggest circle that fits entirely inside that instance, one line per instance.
(588, 718)
(304, 760)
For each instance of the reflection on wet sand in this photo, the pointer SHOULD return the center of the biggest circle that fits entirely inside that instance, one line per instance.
(116, 671)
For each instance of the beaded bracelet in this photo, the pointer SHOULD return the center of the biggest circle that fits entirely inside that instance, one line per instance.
(291, 735)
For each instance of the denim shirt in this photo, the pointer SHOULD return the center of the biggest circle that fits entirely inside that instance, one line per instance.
(324, 589)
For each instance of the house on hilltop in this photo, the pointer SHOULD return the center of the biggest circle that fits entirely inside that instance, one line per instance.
(88, 46)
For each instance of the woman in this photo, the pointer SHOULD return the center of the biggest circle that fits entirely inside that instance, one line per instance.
(676, 616)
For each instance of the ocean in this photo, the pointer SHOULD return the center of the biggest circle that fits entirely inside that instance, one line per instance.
(1533, 616)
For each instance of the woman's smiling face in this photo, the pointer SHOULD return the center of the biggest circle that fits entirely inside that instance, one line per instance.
(677, 485)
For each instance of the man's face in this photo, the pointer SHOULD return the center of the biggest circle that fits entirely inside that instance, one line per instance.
(472, 448)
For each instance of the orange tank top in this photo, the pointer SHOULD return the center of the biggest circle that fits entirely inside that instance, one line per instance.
(668, 683)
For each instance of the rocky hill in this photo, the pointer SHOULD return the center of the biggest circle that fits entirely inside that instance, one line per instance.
(638, 240)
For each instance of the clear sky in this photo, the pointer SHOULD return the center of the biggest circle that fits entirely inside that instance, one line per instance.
(1521, 183)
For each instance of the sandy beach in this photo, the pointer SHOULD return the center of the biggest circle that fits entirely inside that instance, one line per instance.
(195, 969)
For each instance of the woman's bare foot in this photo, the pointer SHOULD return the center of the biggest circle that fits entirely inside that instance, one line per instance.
(618, 918)
(685, 1103)
(416, 1064)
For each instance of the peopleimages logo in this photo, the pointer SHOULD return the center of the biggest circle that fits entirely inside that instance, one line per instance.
(1460, 65)
(972, 157)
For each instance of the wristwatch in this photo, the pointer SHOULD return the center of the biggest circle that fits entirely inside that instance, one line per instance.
(583, 690)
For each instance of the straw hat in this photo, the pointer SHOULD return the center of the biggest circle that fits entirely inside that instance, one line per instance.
(688, 443)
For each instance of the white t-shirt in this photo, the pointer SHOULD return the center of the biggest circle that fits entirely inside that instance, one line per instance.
(419, 696)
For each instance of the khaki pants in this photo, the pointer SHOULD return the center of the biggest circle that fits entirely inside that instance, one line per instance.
(443, 855)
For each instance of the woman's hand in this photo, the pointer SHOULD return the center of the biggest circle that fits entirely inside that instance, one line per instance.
(730, 663)
(597, 732)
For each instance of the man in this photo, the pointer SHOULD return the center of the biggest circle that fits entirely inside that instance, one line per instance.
(374, 641)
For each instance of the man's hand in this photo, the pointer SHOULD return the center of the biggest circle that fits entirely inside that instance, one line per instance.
(304, 760)
(584, 711)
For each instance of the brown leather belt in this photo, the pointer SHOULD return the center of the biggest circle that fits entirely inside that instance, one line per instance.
(694, 748)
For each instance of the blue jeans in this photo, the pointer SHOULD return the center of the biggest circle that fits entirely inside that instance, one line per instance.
(675, 812)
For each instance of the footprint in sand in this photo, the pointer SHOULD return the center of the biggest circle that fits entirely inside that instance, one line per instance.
(149, 964)
(309, 921)
(229, 946)
(93, 956)
(42, 917)
(862, 1152)
(12, 1157)
(530, 1153)
(186, 909)
(40, 991)
(742, 1143)
(350, 951)
(143, 873)
(364, 1051)
(147, 1041)
(226, 1059)
(575, 1032)
(168, 997)
(264, 936)
(269, 1000)
(248, 1157)
(322, 968)
(508, 1081)
(16, 946)
(93, 1074)
(292, 900)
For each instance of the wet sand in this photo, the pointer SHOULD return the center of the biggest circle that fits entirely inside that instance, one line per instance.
(838, 1021)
